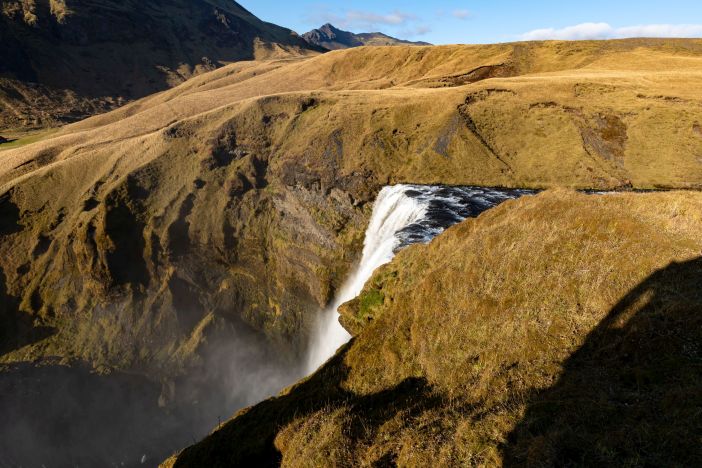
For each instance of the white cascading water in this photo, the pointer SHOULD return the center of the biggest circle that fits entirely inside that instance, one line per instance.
(392, 211)
(402, 215)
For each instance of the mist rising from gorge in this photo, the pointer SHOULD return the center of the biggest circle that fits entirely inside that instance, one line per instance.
(60, 415)
(57, 415)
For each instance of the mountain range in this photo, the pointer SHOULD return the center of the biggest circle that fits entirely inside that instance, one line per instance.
(332, 38)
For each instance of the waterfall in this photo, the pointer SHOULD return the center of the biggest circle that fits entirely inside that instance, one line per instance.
(402, 215)
(392, 211)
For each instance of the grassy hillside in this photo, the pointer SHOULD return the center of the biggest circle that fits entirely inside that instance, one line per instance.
(259, 173)
(538, 114)
(232, 205)
(556, 330)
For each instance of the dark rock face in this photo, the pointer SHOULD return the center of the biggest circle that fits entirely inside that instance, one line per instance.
(333, 38)
(91, 56)
(9, 215)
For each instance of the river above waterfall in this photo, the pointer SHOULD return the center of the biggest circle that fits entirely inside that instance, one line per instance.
(402, 215)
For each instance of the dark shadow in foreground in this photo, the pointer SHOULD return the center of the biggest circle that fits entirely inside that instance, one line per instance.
(249, 440)
(68, 416)
(632, 394)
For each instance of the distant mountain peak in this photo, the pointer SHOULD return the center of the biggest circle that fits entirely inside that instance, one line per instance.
(332, 38)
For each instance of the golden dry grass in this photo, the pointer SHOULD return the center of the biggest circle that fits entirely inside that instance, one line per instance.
(542, 121)
(587, 114)
(553, 330)
(132, 235)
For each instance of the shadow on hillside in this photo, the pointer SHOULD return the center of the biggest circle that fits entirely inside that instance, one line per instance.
(69, 416)
(632, 394)
(16, 327)
(162, 33)
(9, 215)
(249, 440)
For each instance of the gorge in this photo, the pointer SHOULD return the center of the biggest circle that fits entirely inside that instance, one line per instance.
(239, 372)
(168, 267)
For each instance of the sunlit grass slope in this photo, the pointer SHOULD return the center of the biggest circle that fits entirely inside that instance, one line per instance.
(557, 330)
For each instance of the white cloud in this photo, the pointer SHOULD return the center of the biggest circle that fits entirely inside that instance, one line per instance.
(403, 24)
(581, 31)
(357, 20)
(420, 30)
(461, 14)
(662, 30)
(605, 31)
(365, 17)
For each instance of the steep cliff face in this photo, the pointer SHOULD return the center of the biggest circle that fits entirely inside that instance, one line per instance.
(196, 268)
(66, 59)
(557, 329)
(147, 259)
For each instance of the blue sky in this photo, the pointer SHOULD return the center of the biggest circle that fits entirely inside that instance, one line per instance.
(485, 21)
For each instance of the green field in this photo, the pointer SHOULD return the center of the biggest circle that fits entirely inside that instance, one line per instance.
(26, 138)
